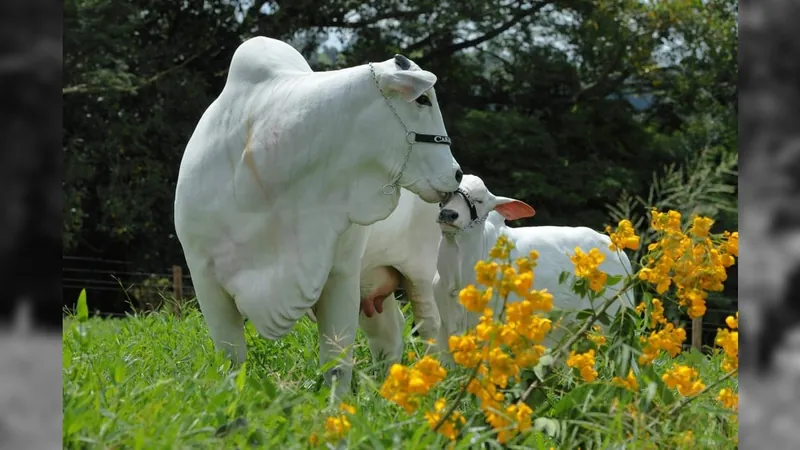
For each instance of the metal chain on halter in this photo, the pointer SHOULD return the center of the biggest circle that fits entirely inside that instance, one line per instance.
(391, 188)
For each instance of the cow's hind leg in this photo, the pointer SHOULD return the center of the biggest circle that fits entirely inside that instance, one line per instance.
(225, 322)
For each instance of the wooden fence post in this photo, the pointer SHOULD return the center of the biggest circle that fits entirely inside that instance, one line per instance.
(177, 285)
(697, 333)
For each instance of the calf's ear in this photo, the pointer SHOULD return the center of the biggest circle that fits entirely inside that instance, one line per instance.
(513, 209)
(409, 84)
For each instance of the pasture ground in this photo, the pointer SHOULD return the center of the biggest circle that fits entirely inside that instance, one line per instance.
(154, 381)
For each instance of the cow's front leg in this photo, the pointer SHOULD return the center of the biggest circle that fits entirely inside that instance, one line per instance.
(337, 310)
(426, 313)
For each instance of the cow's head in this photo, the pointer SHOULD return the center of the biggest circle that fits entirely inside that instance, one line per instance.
(473, 201)
(404, 121)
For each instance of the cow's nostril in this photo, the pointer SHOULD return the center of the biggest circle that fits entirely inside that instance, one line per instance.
(459, 175)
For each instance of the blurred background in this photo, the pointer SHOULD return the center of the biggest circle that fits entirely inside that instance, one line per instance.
(576, 107)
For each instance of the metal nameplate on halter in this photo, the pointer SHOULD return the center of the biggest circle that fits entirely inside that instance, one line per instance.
(413, 138)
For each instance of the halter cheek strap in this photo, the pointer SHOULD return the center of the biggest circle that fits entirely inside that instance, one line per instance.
(412, 137)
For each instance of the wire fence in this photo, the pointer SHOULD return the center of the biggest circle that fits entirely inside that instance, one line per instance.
(116, 286)
(145, 291)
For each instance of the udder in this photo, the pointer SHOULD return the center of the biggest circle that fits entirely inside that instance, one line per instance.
(376, 285)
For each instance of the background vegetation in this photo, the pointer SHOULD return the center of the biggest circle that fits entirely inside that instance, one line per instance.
(575, 106)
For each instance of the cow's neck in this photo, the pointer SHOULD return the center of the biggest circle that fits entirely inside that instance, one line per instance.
(456, 266)
(349, 178)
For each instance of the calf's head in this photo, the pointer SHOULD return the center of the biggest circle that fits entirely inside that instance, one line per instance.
(405, 126)
(473, 201)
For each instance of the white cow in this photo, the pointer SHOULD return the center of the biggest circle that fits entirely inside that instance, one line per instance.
(473, 219)
(400, 251)
(279, 179)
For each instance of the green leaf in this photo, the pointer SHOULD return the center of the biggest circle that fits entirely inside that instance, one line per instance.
(611, 280)
(241, 377)
(82, 309)
(584, 314)
(624, 361)
(563, 277)
(66, 357)
(119, 372)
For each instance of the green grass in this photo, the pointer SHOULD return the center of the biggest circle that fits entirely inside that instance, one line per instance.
(154, 381)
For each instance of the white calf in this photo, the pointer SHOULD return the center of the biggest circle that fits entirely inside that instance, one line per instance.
(473, 219)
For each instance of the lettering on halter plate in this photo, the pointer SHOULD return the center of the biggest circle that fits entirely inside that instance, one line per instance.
(441, 139)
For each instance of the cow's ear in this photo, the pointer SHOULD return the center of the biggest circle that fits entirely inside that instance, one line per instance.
(513, 209)
(408, 84)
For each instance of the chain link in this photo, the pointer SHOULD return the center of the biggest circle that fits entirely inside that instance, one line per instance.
(392, 186)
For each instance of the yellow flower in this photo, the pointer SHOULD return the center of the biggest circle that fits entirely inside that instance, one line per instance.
(465, 350)
(472, 299)
(486, 272)
(501, 366)
(657, 316)
(584, 362)
(502, 248)
(425, 374)
(526, 264)
(729, 399)
(508, 282)
(486, 326)
(669, 222)
(405, 385)
(586, 266)
(731, 244)
(729, 341)
(347, 408)
(337, 426)
(732, 322)
(624, 237)
(597, 337)
(701, 226)
(685, 379)
(628, 382)
(313, 439)
(451, 426)
(668, 339)
(540, 300)
(523, 283)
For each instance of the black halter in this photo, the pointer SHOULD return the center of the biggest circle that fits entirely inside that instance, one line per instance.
(473, 212)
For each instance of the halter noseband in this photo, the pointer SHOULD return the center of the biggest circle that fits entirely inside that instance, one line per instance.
(473, 214)
(412, 137)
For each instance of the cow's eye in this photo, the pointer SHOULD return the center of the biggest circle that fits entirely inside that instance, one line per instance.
(423, 100)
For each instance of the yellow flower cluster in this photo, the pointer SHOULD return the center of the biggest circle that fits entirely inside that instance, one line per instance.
(335, 426)
(497, 348)
(690, 261)
(668, 339)
(624, 237)
(630, 383)
(584, 362)
(451, 427)
(685, 379)
(405, 386)
(586, 266)
(729, 341)
(729, 399)
(596, 336)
